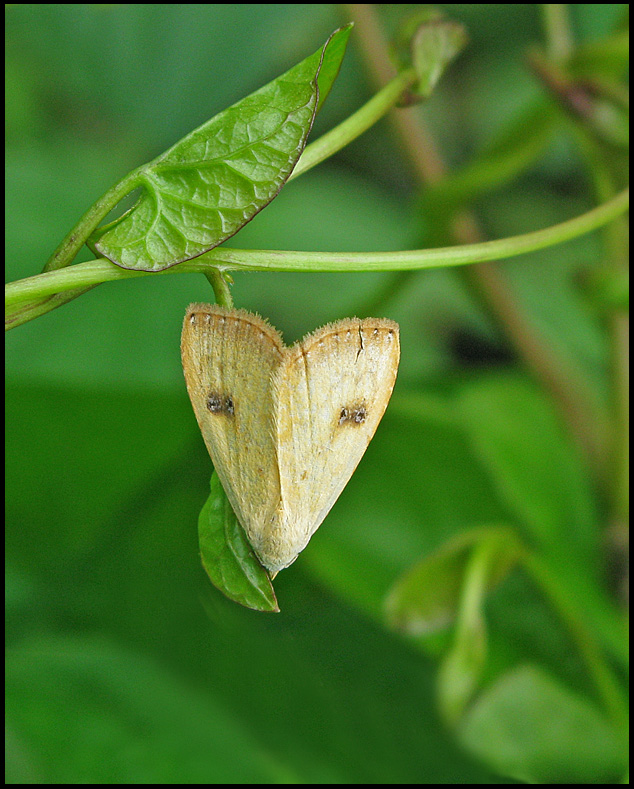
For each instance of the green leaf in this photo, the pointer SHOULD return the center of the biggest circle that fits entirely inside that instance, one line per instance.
(604, 58)
(82, 708)
(427, 597)
(452, 584)
(428, 42)
(530, 727)
(332, 57)
(462, 669)
(434, 46)
(206, 187)
(537, 471)
(227, 556)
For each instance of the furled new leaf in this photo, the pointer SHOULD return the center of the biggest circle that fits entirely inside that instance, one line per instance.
(426, 598)
(428, 42)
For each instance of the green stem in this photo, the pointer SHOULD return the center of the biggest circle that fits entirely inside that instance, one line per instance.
(461, 670)
(616, 242)
(313, 154)
(474, 590)
(605, 682)
(27, 311)
(218, 281)
(94, 272)
(76, 238)
(356, 124)
(557, 30)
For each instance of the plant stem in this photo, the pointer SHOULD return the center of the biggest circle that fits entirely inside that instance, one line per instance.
(461, 670)
(224, 258)
(568, 388)
(605, 682)
(557, 31)
(27, 311)
(218, 281)
(76, 238)
(416, 141)
(616, 242)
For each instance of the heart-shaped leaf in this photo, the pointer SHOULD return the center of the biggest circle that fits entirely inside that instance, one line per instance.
(228, 558)
(211, 183)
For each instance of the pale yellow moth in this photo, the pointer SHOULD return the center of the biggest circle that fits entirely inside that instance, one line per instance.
(285, 427)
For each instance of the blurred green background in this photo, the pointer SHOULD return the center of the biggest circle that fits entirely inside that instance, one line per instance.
(124, 665)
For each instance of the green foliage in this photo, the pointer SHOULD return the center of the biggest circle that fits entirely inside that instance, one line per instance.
(428, 43)
(427, 597)
(206, 187)
(227, 556)
(473, 520)
(511, 726)
(118, 643)
(519, 439)
(96, 717)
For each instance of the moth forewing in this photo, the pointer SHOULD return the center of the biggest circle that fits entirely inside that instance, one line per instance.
(330, 395)
(228, 359)
(286, 427)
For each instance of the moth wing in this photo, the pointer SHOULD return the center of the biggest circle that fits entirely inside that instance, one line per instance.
(229, 358)
(331, 392)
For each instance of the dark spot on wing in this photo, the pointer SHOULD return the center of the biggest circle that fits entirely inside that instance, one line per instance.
(353, 415)
(220, 404)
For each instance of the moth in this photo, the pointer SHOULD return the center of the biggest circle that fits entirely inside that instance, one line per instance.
(285, 426)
